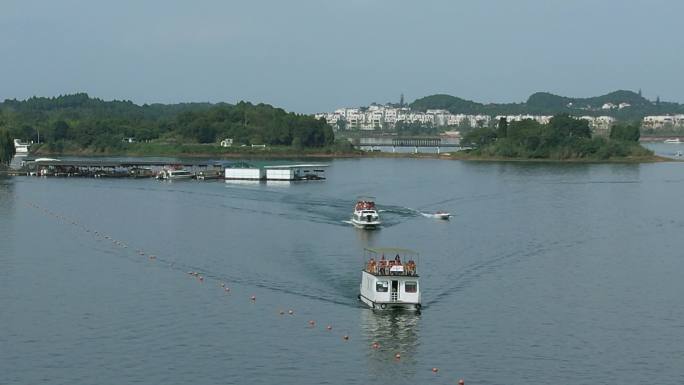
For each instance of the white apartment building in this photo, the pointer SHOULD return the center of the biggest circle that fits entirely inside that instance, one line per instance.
(377, 117)
(599, 124)
(662, 121)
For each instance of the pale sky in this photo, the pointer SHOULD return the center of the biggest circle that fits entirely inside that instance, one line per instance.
(316, 55)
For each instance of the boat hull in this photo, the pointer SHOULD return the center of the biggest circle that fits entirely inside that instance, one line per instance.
(365, 224)
(384, 306)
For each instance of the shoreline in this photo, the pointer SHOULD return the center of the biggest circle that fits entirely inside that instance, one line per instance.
(352, 155)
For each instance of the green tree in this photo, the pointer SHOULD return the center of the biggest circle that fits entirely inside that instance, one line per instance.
(479, 137)
(567, 126)
(27, 132)
(625, 132)
(60, 130)
(7, 149)
(502, 129)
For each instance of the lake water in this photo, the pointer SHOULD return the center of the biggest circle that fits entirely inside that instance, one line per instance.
(546, 274)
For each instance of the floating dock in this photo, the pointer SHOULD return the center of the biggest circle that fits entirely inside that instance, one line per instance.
(110, 168)
(286, 172)
(150, 168)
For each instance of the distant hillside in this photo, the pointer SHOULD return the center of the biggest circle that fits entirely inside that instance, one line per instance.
(79, 121)
(544, 103)
(447, 102)
(82, 103)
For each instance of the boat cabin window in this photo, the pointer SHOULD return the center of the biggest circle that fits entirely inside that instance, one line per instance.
(411, 286)
(382, 286)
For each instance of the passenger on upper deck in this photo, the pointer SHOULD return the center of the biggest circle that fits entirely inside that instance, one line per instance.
(383, 265)
(411, 267)
(371, 266)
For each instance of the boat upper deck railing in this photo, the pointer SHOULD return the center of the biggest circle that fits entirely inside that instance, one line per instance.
(391, 267)
(364, 205)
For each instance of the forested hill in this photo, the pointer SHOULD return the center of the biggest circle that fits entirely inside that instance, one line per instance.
(543, 103)
(79, 120)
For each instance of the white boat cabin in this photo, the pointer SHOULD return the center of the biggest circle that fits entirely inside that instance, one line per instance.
(389, 279)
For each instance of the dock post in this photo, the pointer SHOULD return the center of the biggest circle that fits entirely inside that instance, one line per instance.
(415, 149)
(437, 150)
(394, 149)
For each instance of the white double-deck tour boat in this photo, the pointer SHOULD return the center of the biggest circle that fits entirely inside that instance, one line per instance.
(173, 174)
(365, 214)
(389, 279)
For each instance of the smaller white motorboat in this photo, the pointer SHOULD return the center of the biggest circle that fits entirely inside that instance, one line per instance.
(672, 141)
(365, 215)
(442, 215)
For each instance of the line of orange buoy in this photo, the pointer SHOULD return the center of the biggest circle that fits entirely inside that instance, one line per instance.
(199, 276)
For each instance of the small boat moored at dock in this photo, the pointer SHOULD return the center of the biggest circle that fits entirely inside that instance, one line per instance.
(174, 174)
(365, 214)
(389, 279)
(209, 174)
(140, 172)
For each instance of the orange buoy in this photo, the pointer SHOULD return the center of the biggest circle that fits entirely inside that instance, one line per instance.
(435, 370)
(375, 345)
(329, 327)
(346, 337)
(397, 356)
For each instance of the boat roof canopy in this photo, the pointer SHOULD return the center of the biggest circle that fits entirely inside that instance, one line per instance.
(391, 250)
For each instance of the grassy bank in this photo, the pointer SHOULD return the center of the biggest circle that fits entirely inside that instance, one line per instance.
(572, 150)
(470, 156)
(208, 151)
(197, 150)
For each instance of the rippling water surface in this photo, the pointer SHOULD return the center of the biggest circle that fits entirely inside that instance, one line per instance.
(546, 274)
